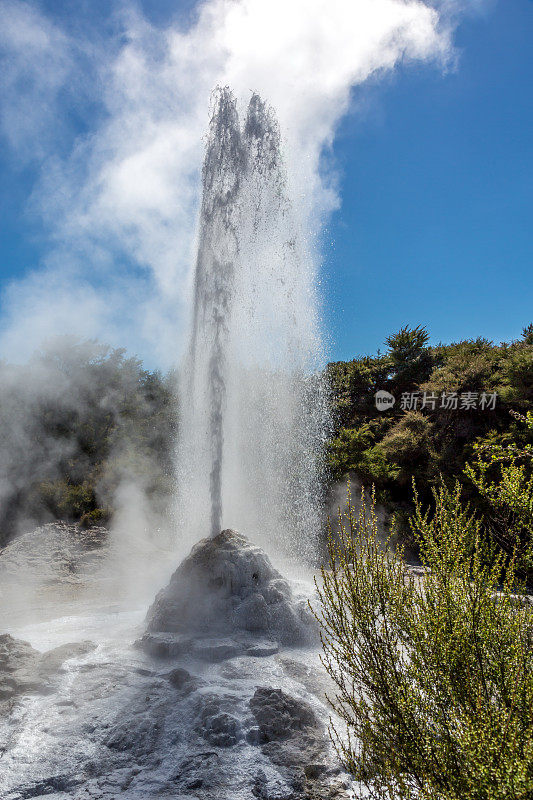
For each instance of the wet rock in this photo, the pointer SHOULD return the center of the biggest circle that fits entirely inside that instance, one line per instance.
(205, 648)
(24, 669)
(253, 735)
(136, 728)
(315, 681)
(53, 660)
(198, 771)
(222, 730)
(145, 672)
(227, 585)
(289, 734)
(237, 669)
(251, 614)
(295, 621)
(55, 551)
(266, 789)
(18, 667)
(216, 724)
(314, 771)
(49, 787)
(164, 645)
(280, 716)
(262, 649)
(217, 649)
(183, 681)
(137, 735)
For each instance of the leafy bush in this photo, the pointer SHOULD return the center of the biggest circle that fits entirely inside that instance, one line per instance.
(408, 445)
(100, 516)
(346, 450)
(508, 495)
(409, 357)
(68, 501)
(433, 675)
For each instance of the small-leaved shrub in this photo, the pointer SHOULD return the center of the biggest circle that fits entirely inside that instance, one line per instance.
(433, 672)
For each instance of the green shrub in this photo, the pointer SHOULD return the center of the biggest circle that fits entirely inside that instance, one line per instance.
(65, 500)
(100, 516)
(407, 445)
(503, 476)
(398, 449)
(345, 452)
(433, 675)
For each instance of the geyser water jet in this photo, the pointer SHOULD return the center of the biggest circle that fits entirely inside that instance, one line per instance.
(254, 411)
(204, 703)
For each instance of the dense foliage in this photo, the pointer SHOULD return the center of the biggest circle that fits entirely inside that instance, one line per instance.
(433, 676)
(76, 422)
(443, 416)
(503, 476)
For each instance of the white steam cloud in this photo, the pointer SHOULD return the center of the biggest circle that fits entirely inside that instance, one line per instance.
(119, 191)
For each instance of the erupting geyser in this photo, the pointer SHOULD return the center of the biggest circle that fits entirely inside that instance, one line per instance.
(223, 695)
(253, 409)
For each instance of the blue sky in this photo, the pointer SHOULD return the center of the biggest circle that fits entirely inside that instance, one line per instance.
(437, 196)
(435, 182)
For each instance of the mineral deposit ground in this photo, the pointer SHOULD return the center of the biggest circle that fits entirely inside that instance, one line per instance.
(216, 692)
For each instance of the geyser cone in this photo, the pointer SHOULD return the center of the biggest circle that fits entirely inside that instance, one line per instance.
(227, 585)
(251, 430)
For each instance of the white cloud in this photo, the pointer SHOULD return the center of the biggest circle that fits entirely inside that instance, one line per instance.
(121, 206)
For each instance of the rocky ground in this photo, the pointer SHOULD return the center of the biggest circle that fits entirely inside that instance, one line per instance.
(217, 693)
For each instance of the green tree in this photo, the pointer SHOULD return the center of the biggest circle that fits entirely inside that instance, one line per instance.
(75, 422)
(435, 439)
(409, 357)
(527, 334)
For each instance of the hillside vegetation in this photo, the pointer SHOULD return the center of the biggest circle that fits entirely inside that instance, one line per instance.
(76, 422)
(453, 405)
(433, 665)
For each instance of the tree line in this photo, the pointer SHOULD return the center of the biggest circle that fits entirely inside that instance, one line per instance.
(459, 401)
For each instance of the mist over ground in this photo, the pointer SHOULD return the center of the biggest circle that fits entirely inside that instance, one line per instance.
(86, 432)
